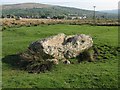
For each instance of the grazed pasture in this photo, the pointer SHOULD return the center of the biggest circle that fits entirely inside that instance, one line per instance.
(99, 74)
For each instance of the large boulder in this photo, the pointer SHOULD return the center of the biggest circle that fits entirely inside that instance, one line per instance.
(57, 48)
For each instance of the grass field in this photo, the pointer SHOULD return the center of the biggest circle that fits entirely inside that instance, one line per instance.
(99, 74)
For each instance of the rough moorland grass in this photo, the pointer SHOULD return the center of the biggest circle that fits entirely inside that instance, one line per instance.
(35, 22)
(101, 74)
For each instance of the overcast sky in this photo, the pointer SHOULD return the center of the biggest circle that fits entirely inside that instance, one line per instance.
(82, 4)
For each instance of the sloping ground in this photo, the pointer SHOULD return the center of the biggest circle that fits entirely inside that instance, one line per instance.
(38, 10)
(24, 6)
(100, 74)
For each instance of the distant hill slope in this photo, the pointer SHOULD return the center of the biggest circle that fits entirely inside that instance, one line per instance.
(24, 6)
(37, 9)
(115, 11)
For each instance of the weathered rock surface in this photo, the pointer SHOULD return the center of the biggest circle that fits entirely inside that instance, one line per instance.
(58, 47)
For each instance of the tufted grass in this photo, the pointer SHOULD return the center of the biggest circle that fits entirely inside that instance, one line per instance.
(100, 74)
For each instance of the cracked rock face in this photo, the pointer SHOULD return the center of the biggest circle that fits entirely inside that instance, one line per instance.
(58, 47)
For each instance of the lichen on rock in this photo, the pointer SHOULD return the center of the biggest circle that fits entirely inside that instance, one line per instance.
(57, 48)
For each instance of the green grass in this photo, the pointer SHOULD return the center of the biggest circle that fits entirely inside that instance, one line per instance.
(101, 74)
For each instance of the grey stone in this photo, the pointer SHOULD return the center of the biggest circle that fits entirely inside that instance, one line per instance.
(58, 47)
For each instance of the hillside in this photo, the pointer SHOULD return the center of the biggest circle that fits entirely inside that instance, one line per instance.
(24, 6)
(37, 10)
(115, 11)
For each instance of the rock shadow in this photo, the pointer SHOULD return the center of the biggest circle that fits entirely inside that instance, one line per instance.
(16, 62)
(13, 60)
